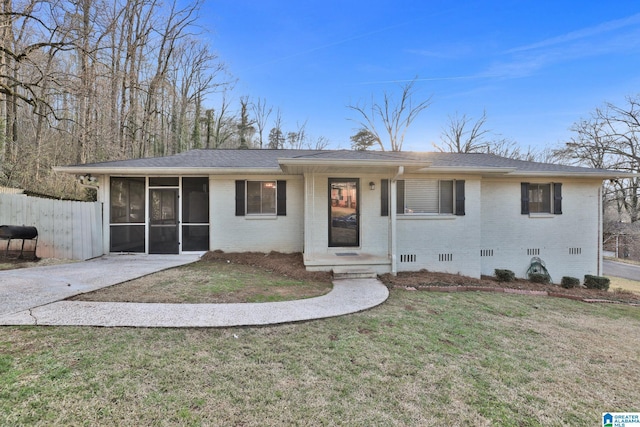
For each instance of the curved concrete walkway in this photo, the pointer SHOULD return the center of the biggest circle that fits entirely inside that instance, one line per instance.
(347, 296)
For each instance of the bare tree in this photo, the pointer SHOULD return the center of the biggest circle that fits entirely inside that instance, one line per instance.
(93, 80)
(610, 139)
(462, 136)
(261, 114)
(395, 116)
(510, 149)
(276, 136)
(245, 126)
(297, 139)
(219, 126)
(320, 143)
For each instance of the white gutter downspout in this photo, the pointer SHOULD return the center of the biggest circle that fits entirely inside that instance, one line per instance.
(392, 218)
(599, 273)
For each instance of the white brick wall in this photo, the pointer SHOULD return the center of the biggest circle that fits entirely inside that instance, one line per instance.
(231, 233)
(444, 243)
(493, 234)
(567, 243)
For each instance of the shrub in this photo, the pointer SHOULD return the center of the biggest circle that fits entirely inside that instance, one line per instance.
(596, 282)
(568, 282)
(539, 278)
(505, 275)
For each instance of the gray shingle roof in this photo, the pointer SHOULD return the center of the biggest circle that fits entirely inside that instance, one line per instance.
(268, 159)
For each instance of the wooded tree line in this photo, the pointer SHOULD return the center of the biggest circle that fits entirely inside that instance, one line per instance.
(91, 80)
(94, 80)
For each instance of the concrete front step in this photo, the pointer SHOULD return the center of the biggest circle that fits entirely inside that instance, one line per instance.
(353, 273)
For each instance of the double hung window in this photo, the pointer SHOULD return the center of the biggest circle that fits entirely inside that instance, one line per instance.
(261, 198)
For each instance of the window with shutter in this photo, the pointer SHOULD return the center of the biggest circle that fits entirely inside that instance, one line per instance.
(541, 198)
(261, 198)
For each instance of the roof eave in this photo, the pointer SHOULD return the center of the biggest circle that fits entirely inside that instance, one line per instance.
(468, 170)
(582, 175)
(164, 171)
(351, 162)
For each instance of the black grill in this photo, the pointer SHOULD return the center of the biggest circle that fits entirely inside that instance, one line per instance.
(19, 232)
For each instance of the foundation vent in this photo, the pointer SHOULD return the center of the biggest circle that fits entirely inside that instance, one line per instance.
(486, 252)
(445, 257)
(533, 252)
(408, 258)
(575, 251)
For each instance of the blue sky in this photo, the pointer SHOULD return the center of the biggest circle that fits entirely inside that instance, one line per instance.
(535, 67)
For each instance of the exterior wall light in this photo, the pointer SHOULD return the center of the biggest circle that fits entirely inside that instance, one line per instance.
(372, 185)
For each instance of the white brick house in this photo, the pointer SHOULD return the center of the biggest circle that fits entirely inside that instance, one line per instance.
(381, 211)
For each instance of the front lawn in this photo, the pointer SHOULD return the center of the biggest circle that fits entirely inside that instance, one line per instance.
(421, 358)
(215, 281)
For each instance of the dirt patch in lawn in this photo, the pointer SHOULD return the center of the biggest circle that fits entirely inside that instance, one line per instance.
(425, 280)
(288, 265)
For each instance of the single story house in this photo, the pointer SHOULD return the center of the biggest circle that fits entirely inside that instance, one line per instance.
(357, 210)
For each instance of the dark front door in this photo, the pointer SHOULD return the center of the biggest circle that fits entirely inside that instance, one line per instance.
(163, 224)
(344, 218)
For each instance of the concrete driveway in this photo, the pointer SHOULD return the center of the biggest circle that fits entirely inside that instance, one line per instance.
(34, 296)
(26, 288)
(619, 269)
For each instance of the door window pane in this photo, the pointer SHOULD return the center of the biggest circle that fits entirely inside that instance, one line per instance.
(163, 207)
(344, 227)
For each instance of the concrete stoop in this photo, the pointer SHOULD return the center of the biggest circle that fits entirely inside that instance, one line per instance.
(341, 273)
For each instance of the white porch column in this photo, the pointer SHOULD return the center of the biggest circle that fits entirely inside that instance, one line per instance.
(308, 213)
(393, 208)
(104, 196)
(600, 231)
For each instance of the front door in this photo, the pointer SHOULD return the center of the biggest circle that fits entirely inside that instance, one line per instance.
(344, 217)
(163, 223)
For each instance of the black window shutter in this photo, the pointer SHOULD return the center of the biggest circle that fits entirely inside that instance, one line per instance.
(400, 196)
(524, 199)
(557, 198)
(384, 197)
(460, 197)
(240, 197)
(281, 207)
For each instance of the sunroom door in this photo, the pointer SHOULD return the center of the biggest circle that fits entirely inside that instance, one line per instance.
(344, 218)
(163, 222)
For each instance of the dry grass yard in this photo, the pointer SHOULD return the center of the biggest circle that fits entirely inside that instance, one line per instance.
(421, 358)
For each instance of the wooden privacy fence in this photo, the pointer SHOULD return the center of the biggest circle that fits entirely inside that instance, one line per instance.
(69, 230)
